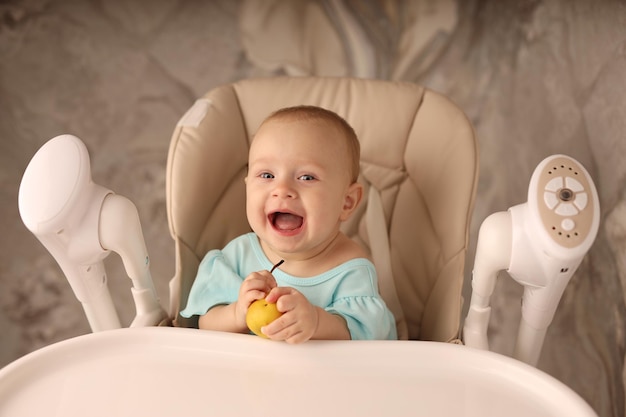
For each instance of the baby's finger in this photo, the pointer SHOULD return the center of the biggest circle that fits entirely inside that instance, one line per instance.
(253, 292)
(253, 295)
(268, 277)
(257, 281)
(280, 328)
(277, 293)
(292, 334)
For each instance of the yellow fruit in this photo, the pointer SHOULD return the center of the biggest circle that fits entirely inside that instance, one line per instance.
(261, 313)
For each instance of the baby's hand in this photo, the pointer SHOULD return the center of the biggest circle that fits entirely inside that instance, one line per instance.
(255, 287)
(299, 320)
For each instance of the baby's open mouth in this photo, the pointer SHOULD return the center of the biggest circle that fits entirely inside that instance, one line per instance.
(285, 221)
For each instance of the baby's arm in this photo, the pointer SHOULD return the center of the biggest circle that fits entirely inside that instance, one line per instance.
(221, 318)
(301, 320)
(232, 317)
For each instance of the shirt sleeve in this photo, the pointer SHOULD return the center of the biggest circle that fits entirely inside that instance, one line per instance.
(216, 283)
(367, 317)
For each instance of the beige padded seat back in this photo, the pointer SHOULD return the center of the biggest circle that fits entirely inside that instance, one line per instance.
(418, 150)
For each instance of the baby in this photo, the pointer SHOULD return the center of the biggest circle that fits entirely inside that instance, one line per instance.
(301, 185)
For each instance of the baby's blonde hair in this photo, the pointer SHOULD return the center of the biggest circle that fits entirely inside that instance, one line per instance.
(304, 112)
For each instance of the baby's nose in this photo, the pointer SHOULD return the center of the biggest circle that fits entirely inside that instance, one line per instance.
(284, 189)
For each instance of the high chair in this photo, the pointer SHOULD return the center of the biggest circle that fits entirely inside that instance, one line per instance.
(419, 168)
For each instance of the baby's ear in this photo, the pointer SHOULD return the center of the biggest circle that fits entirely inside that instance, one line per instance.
(352, 199)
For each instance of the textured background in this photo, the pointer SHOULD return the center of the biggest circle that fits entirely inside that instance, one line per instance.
(535, 78)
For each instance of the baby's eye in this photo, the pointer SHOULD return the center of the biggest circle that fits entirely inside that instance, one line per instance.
(307, 177)
(266, 175)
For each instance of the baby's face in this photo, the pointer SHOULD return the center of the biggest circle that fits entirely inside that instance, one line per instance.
(297, 186)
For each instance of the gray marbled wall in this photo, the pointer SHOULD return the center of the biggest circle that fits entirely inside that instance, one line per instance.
(535, 77)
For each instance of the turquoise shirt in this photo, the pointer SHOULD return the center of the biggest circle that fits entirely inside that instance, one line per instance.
(350, 289)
